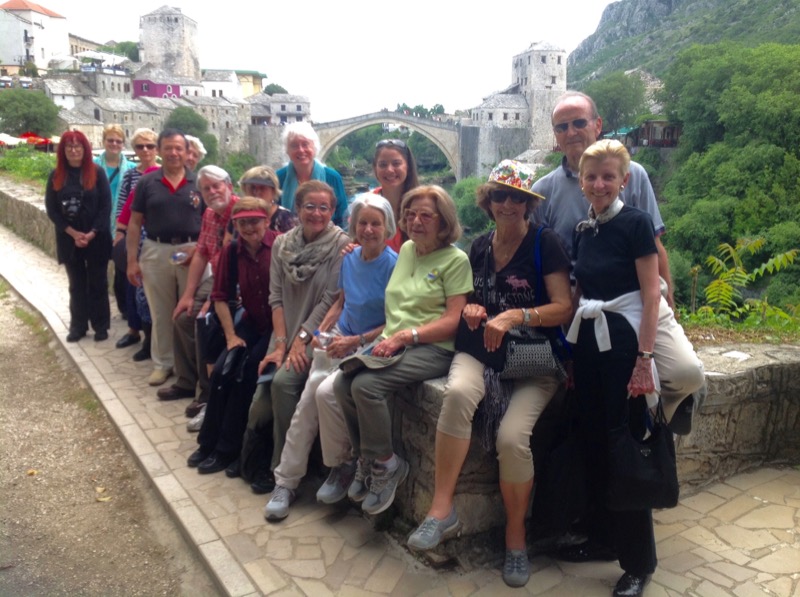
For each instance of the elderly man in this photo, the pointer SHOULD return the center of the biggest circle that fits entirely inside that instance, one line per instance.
(217, 191)
(168, 201)
(577, 125)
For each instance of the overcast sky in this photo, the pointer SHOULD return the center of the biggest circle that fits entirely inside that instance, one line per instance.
(353, 57)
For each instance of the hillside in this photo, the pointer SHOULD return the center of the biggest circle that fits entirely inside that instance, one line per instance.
(650, 33)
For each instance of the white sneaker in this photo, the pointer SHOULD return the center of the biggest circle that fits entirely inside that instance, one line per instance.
(196, 422)
(277, 507)
(338, 482)
(159, 376)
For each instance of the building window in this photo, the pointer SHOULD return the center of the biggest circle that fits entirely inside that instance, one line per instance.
(169, 88)
(145, 87)
(552, 80)
(505, 115)
(559, 59)
(516, 116)
(299, 118)
(283, 107)
(299, 108)
(544, 59)
(220, 92)
(127, 87)
(104, 85)
(213, 93)
(529, 60)
(227, 124)
(97, 114)
(491, 116)
(526, 80)
(284, 119)
(195, 92)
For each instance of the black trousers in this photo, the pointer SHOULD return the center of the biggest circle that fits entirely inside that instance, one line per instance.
(601, 380)
(88, 291)
(229, 404)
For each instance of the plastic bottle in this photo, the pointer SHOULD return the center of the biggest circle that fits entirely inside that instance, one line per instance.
(324, 338)
(178, 257)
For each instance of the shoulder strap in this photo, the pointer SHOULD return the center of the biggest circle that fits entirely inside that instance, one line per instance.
(233, 270)
(538, 297)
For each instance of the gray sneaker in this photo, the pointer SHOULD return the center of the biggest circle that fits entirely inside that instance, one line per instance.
(517, 568)
(433, 531)
(196, 422)
(277, 507)
(338, 482)
(359, 488)
(383, 485)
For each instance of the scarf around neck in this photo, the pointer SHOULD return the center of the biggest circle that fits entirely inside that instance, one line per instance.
(300, 260)
(289, 187)
(593, 220)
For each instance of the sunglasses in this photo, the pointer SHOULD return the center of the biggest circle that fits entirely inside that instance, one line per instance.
(563, 127)
(500, 196)
(426, 217)
(141, 146)
(391, 143)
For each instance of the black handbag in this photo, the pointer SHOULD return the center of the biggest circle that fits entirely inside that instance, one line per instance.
(642, 474)
(525, 351)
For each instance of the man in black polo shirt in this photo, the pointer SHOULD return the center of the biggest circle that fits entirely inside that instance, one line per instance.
(168, 204)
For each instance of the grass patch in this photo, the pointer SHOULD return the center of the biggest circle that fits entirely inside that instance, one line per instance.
(34, 322)
(4, 288)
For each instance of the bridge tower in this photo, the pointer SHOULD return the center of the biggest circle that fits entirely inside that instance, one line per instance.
(168, 40)
(540, 72)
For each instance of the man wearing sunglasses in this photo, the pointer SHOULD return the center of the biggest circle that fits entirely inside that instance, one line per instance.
(576, 125)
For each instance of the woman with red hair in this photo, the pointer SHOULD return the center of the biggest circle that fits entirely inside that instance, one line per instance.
(78, 201)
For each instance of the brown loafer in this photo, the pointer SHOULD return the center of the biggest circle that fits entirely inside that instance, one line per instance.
(194, 408)
(174, 393)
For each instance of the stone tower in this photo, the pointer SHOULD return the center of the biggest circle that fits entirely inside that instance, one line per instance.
(168, 40)
(541, 74)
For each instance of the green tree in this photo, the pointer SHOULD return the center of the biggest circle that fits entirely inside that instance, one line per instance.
(469, 214)
(237, 164)
(129, 49)
(274, 88)
(620, 98)
(23, 110)
(187, 121)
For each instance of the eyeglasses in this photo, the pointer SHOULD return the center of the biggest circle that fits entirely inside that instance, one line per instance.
(500, 196)
(141, 146)
(311, 208)
(426, 217)
(74, 148)
(391, 143)
(115, 141)
(250, 221)
(563, 127)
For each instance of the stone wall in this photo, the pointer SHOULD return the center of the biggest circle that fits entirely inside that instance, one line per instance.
(22, 211)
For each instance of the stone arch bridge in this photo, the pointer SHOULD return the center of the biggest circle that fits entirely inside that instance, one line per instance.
(445, 136)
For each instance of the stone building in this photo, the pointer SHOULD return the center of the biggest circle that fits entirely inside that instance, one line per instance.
(131, 114)
(221, 83)
(228, 120)
(153, 81)
(67, 92)
(538, 78)
(168, 40)
(279, 108)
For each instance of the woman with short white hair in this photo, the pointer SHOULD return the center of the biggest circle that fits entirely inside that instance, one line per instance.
(301, 144)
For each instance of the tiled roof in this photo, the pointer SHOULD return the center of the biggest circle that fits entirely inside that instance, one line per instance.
(164, 103)
(13, 5)
(73, 117)
(67, 86)
(123, 105)
(263, 98)
(158, 75)
(226, 76)
(204, 100)
(505, 100)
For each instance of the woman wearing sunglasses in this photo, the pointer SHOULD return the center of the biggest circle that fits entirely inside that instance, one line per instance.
(396, 170)
(145, 146)
(504, 271)
(424, 298)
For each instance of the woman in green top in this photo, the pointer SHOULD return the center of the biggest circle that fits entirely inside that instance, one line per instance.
(424, 298)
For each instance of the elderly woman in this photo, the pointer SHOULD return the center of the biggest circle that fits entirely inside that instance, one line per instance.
(145, 145)
(78, 202)
(354, 322)
(616, 265)
(262, 182)
(115, 165)
(303, 286)
(301, 144)
(424, 299)
(223, 426)
(504, 272)
(196, 152)
(396, 170)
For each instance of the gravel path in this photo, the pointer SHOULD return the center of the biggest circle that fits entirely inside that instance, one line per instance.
(78, 517)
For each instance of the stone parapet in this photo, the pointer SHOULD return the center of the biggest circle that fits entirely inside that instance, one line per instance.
(22, 211)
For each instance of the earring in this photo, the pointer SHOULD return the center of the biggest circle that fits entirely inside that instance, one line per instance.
(621, 187)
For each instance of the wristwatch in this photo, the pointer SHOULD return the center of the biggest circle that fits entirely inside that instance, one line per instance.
(362, 340)
(304, 336)
(526, 316)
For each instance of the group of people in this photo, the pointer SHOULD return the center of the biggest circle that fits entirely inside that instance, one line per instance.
(317, 328)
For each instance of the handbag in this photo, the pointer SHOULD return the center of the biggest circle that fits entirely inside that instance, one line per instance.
(642, 473)
(525, 351)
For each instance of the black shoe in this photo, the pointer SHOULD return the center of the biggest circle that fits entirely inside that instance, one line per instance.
(194, 408)
(101, 335)
(174, 393)
(234, 469)
(75, 335)
(264, 483)
(143, 353)
(215, 463)
(198, 456)
(630, 585)
(128, 340)
(588, 551)
(681, 422)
